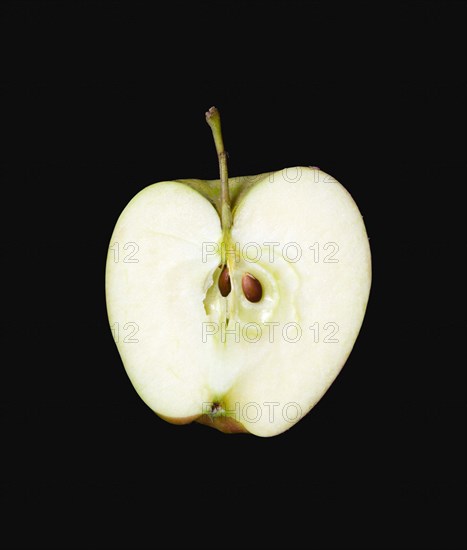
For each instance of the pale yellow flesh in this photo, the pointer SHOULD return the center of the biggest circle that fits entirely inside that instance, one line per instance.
(265, 386)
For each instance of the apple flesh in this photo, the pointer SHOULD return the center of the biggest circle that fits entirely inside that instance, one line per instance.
(226, 361)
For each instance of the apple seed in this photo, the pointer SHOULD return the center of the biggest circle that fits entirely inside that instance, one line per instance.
(252, 288)
(225, 286)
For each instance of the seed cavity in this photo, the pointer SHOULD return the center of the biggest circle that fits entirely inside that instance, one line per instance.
(225, 286)
(251, 288)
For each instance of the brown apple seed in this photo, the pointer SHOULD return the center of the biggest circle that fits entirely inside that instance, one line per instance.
(251, 288)
(225, 286)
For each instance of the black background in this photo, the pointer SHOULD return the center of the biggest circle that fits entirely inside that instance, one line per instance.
(101, 99)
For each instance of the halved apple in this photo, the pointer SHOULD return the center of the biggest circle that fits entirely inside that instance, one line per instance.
(240, 300)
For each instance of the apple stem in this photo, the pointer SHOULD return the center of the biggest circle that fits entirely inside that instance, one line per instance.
(213, 118)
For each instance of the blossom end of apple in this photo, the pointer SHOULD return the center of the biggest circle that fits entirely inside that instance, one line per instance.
(223, 423)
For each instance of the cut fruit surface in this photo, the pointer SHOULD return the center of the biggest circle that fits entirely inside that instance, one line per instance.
(263, 363)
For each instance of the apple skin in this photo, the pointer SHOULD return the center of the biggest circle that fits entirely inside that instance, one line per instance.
(239, 186)
(222, 423)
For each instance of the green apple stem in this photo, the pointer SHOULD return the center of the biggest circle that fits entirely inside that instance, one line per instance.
(213, 118)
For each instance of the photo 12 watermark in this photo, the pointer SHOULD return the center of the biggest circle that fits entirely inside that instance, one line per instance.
(253, 411)
(126, 253)
(269, 331)
(268, 252)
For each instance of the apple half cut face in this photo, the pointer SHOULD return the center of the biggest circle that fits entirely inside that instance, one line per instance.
(243, 329)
